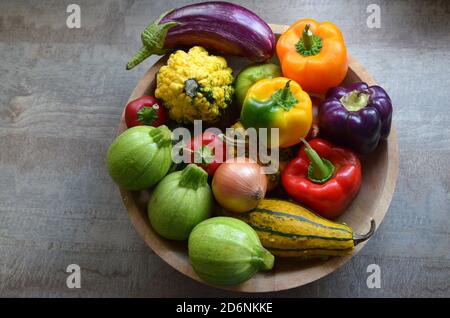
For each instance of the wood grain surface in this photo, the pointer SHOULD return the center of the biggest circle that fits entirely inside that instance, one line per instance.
(61, 95)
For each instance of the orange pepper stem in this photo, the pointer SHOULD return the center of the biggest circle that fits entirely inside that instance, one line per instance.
(320, 170)
(307, 37)
(309, 44)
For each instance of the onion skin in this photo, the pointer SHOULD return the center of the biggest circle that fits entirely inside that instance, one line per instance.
(239, 186)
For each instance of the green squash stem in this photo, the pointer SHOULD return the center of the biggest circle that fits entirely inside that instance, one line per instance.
(265, 259)
(161, 136)
(193, 177)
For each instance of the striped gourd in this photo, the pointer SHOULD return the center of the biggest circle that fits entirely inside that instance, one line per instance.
(290, 230)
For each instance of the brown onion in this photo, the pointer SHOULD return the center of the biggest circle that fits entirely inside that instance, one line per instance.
(238, 185)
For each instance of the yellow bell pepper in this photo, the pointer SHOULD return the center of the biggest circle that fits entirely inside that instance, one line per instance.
(278, 103)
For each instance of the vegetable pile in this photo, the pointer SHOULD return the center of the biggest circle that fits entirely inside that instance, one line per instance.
(235, 216)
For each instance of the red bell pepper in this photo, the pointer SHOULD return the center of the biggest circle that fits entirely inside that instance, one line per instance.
(145, 110)
(210, 149)
(324, 177)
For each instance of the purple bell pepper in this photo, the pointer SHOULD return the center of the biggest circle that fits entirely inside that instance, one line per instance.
(357, 116)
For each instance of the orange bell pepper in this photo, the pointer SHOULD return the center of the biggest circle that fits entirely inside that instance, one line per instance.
(313, 54)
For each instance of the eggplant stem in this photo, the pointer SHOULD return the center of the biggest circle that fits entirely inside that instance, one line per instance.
(358, 238)
(138, 57)
(153, 38)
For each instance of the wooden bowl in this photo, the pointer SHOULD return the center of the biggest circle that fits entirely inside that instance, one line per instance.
(379, 178)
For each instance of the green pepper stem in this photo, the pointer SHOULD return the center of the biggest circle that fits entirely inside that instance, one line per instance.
(284, 97)
(286, 90)
(320, 170)
(193, 177)
(307, 37)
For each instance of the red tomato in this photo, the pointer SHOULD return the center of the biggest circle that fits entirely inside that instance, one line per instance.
(212, 150)
(145, 110)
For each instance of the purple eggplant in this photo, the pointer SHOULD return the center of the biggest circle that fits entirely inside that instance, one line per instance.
(357, 116)
(221, 26)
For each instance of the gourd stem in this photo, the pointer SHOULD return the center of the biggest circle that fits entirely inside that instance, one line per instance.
(357, 238)
(265, 259)
(193, 177)
(191, 87)
(307, 37)
(320, 170)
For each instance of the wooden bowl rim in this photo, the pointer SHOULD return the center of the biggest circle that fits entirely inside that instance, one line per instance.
(153, 240)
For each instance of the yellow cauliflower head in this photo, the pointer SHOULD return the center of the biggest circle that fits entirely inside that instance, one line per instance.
(195, 85)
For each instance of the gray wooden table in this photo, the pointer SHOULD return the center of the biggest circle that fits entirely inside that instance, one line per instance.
(61, 95)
